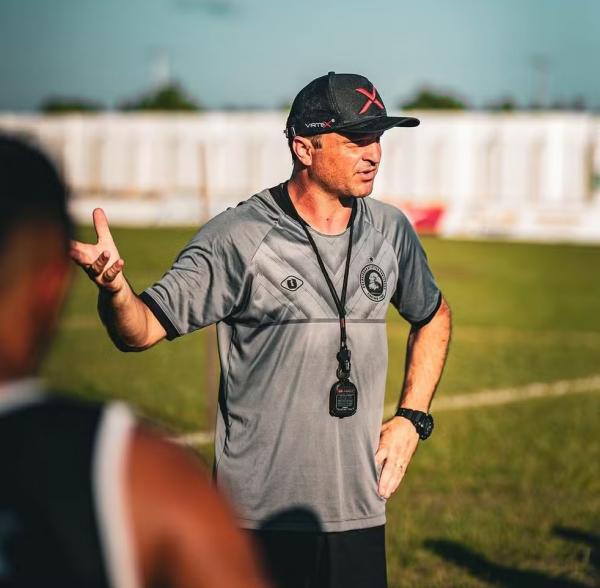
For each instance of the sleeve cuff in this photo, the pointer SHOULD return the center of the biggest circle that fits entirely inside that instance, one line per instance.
(160, 315)
(427, 319)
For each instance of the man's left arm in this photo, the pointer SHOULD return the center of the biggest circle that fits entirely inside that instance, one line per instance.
(426, 352)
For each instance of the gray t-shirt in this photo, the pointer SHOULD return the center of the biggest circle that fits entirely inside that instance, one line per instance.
(279, 455)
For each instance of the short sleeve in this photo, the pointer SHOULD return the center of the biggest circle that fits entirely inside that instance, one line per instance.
(203, 285)
(417, 295)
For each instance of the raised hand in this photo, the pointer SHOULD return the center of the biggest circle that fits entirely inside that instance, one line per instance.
(101, 262)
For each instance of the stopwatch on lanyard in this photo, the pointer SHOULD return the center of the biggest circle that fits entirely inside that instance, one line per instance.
(343, 396)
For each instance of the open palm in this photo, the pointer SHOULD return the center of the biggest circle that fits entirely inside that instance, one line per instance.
(101, 262)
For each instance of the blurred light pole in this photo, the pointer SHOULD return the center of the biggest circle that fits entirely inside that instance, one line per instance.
(541, 66)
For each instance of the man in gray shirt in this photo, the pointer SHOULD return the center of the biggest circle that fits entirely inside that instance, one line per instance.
(298, 279)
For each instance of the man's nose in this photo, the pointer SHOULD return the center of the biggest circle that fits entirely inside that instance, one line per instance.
(372, 152)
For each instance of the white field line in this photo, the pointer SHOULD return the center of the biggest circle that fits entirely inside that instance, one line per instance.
(473, 400)
(516, 394)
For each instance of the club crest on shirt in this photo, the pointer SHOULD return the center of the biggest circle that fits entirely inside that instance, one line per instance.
(373, 282)
(292, 283)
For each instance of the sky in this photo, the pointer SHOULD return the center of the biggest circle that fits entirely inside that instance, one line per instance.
(259, 53)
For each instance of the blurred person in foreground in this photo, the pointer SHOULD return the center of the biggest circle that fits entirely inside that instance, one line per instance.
(87, 497)
(299, 278)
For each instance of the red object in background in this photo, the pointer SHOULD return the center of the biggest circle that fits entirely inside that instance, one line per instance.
(425, 219)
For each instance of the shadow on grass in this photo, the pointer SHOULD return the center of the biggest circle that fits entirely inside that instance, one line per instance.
(591, 540)
(496, 574)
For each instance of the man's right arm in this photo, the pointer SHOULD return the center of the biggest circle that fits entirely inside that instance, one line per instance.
(130, 323)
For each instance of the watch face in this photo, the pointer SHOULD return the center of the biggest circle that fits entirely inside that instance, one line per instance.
(425, 426)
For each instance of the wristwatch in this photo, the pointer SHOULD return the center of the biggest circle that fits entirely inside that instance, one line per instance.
(422, 421)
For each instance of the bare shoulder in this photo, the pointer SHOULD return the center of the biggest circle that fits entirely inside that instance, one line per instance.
(156, 460)
(183, 528)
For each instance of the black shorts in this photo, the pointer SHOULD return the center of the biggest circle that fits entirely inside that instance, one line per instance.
(350, 559)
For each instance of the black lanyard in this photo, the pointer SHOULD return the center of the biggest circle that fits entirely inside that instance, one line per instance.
(340, 302)
(343, 355)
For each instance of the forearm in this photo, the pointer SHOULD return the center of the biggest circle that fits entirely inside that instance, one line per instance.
(426, 352)
(125, 317)
(425, 357)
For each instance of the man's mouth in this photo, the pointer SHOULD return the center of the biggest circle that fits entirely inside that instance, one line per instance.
(368, 174)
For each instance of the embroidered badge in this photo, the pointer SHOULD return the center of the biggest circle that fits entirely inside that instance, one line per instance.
(373, 282)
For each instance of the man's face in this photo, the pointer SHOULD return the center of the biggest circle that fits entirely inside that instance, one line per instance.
(346, 165)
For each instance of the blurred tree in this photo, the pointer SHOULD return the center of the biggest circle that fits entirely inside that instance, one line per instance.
(57, 105)
(506, 104)
(230, 107)
(578, 104)
(559, 105)
(430, 99)
(168, 97)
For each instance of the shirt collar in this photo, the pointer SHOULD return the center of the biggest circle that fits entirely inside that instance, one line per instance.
(282, 198)
(16, 394)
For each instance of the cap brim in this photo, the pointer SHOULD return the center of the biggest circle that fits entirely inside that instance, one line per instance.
(379, 124)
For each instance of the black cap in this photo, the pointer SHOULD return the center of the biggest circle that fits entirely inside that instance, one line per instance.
(341, 102)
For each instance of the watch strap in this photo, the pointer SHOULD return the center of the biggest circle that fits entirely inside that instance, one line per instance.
(416, 417)
(411, 414)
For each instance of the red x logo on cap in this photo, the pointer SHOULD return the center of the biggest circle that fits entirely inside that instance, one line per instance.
(371, 99)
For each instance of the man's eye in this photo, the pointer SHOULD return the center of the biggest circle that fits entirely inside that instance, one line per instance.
(366, 141)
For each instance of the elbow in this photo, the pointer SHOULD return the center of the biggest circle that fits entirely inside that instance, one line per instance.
(444, 316)
(445, 311)
(444, 323)
(126, 347)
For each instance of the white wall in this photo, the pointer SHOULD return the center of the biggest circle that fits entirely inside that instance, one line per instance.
(533, 176)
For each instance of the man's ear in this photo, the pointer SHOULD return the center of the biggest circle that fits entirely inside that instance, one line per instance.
(303, 149)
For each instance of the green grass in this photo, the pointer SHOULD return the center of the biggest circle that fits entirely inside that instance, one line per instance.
(486, 496)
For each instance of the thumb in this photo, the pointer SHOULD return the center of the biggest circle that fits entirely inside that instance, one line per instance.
(101, 225)
(78, 252)
(381, 455)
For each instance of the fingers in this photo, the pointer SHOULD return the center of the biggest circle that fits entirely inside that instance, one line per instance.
(381, 456)
(101, 225)
(391, 476)
(397, 444)
(113, 271)
(96, 268)
(392, 471)
(102, 276)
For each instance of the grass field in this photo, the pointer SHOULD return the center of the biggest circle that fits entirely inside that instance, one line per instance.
(499, 496)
